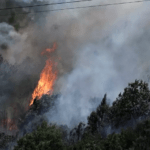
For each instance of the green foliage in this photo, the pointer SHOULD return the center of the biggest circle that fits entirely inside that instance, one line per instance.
(17, 26)
(45, 137)
(92, 122)
(89, 142)
(113, 142)
(96, 119)
(133, 139)
(11, 19)
(132, 103)
(127, 137)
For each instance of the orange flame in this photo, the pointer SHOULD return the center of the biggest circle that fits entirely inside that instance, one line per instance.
(10, 124)
(47, 77)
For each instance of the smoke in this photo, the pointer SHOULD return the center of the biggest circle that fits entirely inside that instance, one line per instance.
(101, 50)
(110, 53)
(19, 72)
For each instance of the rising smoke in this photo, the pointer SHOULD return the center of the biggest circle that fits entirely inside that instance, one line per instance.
(101, 50)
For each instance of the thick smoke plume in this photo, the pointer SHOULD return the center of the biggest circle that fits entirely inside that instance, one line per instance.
(101, 50)
(110, 53)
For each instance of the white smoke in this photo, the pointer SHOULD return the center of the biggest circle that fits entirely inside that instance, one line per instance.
(106, 64)
(10, 41)
(102, 49)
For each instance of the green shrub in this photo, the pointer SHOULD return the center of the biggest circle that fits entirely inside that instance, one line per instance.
(45, 137)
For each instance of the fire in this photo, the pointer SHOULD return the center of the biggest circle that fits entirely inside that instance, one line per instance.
(50, 50)
(47, 77)
(9, 124)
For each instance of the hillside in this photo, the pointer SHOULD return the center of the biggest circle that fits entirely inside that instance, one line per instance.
(124, 125)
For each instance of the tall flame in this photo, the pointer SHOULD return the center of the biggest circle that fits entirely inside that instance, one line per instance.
(47, 77)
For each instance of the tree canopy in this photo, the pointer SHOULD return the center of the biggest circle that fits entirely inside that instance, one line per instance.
(45, 137)
(131, 104)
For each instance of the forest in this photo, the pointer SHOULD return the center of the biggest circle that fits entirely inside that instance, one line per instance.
(93, 57)
(123, 126)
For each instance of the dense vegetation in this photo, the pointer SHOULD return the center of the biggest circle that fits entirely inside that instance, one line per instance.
(108, 127)
(45, 137)
(10, 16)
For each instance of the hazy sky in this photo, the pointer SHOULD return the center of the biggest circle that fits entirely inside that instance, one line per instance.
(102, 49)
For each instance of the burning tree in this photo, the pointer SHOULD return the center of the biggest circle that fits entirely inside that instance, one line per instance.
(47, 77)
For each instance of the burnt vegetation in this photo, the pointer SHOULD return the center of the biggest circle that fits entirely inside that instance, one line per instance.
(123, 125)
